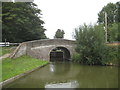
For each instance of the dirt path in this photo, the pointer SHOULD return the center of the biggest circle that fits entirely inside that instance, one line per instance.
(8, 54)
(5, 56)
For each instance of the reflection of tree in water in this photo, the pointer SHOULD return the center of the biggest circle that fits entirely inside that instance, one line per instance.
(96, 76)
(61, 68)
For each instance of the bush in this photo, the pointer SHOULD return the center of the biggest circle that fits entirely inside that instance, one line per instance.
(114, 34)
(91, 46)
(112, 55)
(76, 58)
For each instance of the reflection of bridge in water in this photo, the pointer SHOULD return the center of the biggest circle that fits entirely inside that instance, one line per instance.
(44, 49)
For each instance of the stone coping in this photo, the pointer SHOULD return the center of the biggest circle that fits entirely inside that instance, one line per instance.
(56, 39)
(20, 75)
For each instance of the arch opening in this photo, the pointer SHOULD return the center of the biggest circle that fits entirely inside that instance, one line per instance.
(60, 54)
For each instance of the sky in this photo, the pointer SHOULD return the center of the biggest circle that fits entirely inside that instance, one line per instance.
(69, 14)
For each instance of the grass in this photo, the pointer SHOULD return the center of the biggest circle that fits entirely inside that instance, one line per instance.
(5, 50)
(13, 67)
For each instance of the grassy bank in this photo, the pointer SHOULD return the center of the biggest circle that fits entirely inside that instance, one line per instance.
(13, 67)
(5, 50)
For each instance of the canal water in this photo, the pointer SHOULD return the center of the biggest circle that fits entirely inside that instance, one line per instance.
(69, 75)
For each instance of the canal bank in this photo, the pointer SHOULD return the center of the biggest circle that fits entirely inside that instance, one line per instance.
(19, 76)
(13, 69)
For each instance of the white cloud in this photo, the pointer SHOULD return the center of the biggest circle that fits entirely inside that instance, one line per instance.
(69, 14)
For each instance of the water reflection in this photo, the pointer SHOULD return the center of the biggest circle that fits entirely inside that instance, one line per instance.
(52, 68)
(60, 67)
(71, 84)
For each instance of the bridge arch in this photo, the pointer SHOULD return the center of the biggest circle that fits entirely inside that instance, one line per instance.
(59, 53)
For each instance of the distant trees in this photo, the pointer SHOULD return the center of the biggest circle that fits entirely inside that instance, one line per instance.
(112, 13)
(59, 34)
(113, 20)
(21, 21)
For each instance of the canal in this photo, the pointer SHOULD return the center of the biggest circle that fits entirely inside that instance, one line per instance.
(69, 75)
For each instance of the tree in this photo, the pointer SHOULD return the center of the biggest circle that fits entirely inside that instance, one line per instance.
(59, 34)
(91, 45)
(112, 13)
(113, 19)
(114, 34)
(21, 21)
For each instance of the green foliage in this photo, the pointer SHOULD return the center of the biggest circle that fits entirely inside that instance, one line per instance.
(112, 54)
(113, 32)
(112, 13)
(113, 20)
(21, 21)
(76, 58)
(59, 34)
(91, 44)
(13, 67)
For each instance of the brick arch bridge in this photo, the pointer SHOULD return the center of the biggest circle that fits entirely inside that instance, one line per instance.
(41, 48)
